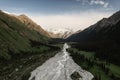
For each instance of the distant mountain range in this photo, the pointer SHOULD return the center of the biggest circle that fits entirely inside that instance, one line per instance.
(60, 33)
(102, 37)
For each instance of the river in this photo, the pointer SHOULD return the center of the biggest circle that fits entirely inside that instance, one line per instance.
(60, 67)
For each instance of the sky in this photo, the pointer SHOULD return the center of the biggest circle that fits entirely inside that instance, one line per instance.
(58, 14)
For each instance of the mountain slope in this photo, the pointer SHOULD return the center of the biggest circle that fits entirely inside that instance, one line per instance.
(16, 37)
(102, 37)
(103, 25)
(32, 25)
(22, 49)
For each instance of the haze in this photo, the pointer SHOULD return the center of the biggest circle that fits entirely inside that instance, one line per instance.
(57, 14)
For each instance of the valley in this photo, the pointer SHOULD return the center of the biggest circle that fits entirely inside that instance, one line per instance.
(61, 67)
(28, 52)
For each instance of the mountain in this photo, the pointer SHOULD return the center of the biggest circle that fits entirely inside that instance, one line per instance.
(16, 36)
(23, 46)
(104, 25)
(102, 37)
(32, 25)
(60, 33)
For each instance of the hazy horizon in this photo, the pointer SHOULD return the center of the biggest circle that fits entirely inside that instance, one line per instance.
(57, 14)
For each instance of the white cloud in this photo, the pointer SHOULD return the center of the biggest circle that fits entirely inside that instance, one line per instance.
(106, 5)
(99, 2)
(73, 21)
(95, 2)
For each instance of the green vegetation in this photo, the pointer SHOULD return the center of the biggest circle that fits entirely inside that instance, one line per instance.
(101, 69)
(21, 49)
(20, 67)
(16, 37)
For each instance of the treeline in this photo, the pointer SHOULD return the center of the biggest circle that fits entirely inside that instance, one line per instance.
(91, 62)
(25, 61)
(106, 49)
(36, 48)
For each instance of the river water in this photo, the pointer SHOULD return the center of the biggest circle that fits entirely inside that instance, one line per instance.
(60, 67)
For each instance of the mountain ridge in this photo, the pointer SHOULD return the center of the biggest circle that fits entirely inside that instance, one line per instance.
(32, 25)
(105, 22)
(15, 36)
(102, 37)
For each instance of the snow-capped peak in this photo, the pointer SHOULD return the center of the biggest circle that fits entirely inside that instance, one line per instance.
(60, 33)
(61, 30)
